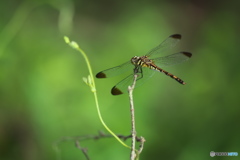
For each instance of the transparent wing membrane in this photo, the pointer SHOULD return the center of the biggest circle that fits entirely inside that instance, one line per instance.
(172, 59)
(115, 70)
(170, 42)
(122, 86)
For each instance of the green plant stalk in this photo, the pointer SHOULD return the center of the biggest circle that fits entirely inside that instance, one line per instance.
(90, 82)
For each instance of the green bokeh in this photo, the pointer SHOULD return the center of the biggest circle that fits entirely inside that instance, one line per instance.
(43, 97)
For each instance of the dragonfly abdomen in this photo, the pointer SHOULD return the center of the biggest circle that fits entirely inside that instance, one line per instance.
(169, 74)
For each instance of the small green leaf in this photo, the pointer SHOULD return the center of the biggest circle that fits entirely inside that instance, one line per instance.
(66, 39)
(74, 45)
(85, 80)
(89, 80)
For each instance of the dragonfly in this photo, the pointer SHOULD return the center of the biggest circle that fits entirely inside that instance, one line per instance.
(145, 67)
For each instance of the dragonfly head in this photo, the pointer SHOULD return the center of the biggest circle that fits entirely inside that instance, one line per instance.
(135, 60)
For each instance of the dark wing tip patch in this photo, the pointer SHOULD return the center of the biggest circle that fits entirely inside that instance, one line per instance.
(188, 54)
(116, 91)
(101, 75)
(176, 36)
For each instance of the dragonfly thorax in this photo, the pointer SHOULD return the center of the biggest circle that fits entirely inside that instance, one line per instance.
(141, 61)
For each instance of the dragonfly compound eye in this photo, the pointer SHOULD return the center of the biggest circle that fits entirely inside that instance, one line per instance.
(134, 60)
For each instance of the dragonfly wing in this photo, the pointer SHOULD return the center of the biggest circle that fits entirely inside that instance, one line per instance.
(172, 59)
(122, 86)
(147, 73)
(170, 42)
(115, 70)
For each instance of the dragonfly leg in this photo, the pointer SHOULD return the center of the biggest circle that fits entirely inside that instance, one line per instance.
(138, 71)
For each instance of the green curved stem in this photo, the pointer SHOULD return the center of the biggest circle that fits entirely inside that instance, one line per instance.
(91, 83)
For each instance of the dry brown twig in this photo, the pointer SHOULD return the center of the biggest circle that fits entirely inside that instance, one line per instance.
(100, 135)
(134, 153)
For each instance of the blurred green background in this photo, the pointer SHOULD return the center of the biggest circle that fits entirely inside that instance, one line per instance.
(43, 97)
